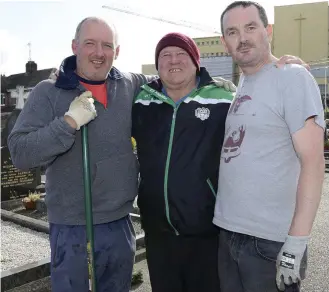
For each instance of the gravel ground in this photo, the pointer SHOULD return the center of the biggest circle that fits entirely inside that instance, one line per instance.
(138, 228)
(318, 258)
(20, 245)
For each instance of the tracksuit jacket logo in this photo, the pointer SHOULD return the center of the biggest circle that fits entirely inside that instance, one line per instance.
(202, 113)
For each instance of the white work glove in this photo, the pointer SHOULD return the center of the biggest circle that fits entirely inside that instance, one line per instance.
(291, 262)
(82, 109)
(227, 84)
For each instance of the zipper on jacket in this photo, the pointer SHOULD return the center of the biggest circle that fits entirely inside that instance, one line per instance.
(211, 187)
(171, 138)
(167, 100)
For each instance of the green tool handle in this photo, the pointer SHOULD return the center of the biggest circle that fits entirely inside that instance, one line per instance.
(88, 207)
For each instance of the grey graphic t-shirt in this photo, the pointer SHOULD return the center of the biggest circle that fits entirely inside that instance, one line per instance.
(259, 167)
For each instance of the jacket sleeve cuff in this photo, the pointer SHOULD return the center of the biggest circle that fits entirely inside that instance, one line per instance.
(65, 126)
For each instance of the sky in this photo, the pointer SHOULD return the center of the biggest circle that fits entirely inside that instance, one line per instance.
(50, 26)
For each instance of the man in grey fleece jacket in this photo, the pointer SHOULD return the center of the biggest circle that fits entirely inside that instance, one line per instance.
(47, 134)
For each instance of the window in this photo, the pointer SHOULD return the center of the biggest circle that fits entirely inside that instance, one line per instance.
(212, 54)
(198, 43)
(212, 42)
(207, 43)
(202, 43)
(217, 42)
(216, 54)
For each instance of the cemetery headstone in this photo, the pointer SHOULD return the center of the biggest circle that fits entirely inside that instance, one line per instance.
(9, 125)
(16, 183)
(11, 120)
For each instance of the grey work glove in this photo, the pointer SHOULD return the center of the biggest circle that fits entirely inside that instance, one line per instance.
(227, 84)
(291, 262)
(82, 109)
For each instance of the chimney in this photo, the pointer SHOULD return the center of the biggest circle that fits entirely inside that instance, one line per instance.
(31, 67)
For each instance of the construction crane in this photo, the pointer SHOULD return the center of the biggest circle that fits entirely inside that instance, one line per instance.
(234, 75)
(179, 23)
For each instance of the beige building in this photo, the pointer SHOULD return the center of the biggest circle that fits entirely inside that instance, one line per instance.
(303, 30)
(210, 47)
(149, 69)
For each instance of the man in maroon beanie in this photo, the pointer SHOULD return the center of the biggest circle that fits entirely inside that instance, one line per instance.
(182, 41)
(178, 124)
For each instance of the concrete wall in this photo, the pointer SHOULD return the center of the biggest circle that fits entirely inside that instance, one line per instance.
(149, 69)
(311, 41)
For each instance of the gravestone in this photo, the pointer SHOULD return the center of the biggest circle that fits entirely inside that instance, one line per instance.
(9, 125)
(16, 183)
(10, 120)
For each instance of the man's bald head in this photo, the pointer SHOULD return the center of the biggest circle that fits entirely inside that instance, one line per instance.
(99, 20)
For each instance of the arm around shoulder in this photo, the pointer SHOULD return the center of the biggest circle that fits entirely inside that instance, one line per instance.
(139, 80)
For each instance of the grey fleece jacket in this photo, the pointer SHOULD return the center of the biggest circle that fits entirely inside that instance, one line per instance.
(42, 137)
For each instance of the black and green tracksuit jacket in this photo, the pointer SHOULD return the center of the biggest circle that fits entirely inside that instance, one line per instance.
(178, 148)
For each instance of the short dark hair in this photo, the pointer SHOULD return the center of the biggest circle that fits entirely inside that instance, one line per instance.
(245, 4)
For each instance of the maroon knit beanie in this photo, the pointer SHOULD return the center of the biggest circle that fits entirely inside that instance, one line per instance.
(176, 39)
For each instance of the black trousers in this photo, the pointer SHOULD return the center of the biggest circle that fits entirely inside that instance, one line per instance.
(248, 263)
(182, 264)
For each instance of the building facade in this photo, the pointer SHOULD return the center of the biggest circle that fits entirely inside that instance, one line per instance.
(210, 47)
(303, 30)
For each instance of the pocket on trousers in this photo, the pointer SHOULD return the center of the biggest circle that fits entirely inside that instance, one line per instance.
(267, 249)
(59, 250)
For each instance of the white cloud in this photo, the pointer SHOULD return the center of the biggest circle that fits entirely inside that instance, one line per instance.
(13, 53)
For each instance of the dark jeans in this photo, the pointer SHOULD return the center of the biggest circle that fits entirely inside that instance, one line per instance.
(114, 257)
(248, 264)
(182, 264)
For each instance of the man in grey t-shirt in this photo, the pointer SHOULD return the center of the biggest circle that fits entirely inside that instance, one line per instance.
(272, 164)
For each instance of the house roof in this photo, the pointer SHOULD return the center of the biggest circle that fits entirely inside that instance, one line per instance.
(26, 79)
